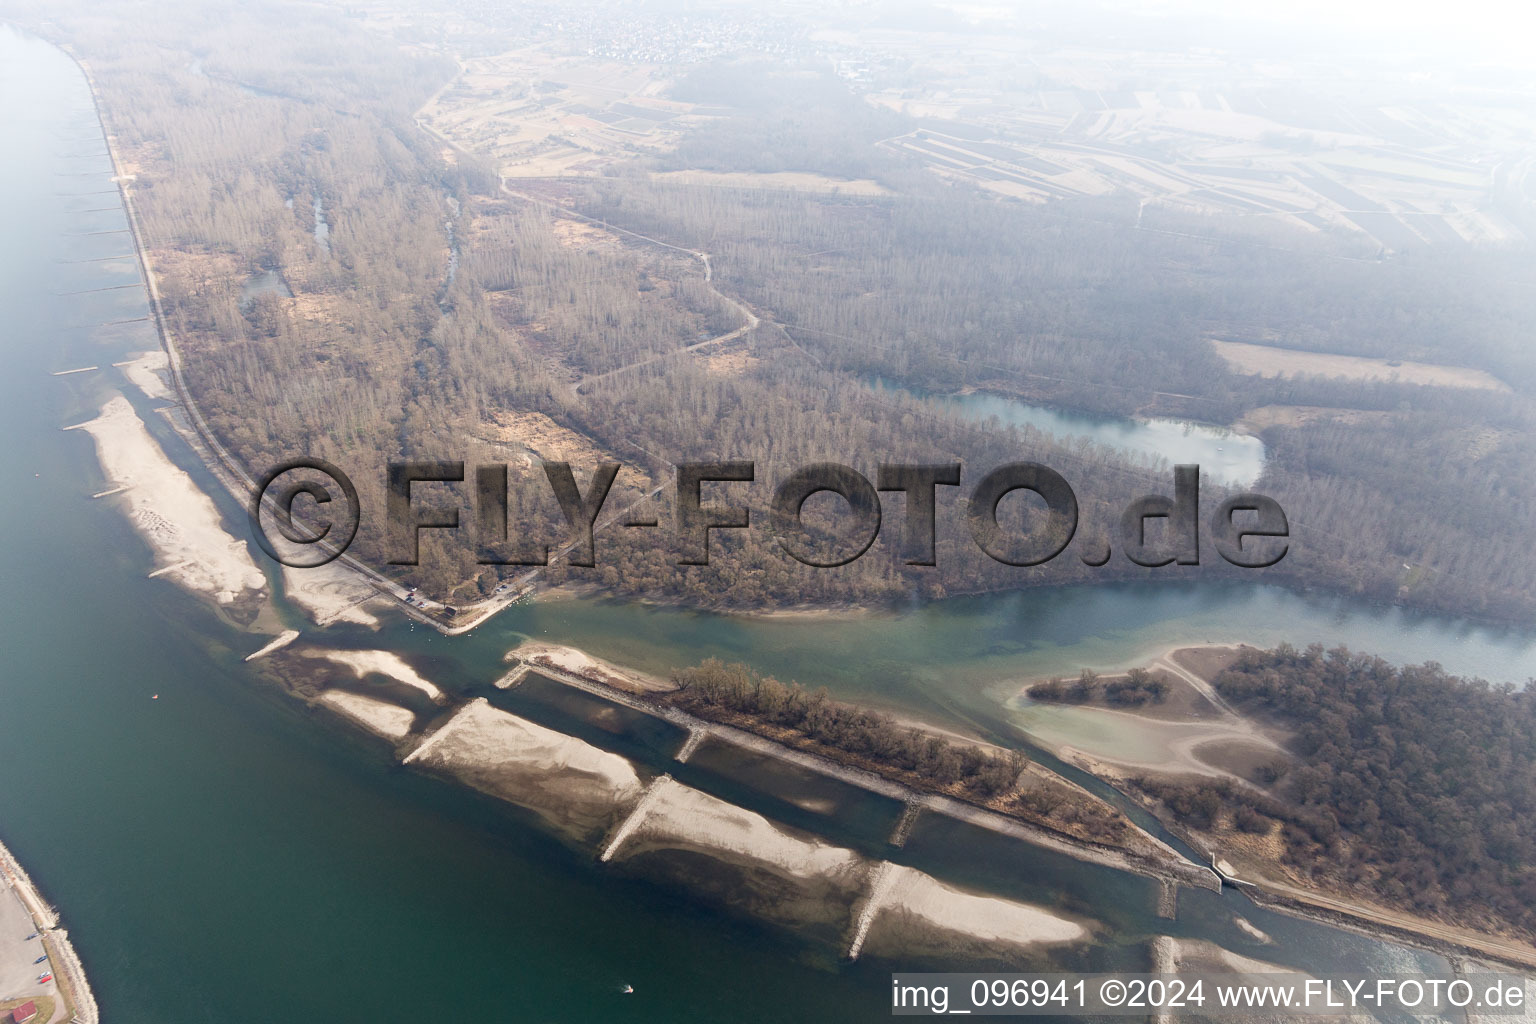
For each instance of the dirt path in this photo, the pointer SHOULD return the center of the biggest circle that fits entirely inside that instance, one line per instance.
(1201, 686)
(1400, 924)
(751, 318)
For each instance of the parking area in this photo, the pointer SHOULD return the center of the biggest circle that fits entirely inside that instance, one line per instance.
(18, 974)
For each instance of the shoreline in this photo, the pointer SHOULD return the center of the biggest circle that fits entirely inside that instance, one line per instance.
(1336, 909)
(178, 520)
(896, 606)
(1344, 911)
(1177, 868)
(843, 611)
(231, 474)
(218, 459)
(69, 971)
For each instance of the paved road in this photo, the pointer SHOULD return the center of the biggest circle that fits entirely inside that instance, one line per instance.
(17, 972)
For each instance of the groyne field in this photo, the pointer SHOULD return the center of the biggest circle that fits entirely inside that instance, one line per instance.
(1134, 851)
(23, 907)
(601, 757)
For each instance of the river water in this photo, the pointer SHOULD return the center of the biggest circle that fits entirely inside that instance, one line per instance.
(219, 851)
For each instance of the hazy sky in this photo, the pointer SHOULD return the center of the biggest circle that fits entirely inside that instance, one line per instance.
(1503, 29)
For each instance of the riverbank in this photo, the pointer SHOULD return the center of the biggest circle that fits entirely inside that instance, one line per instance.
(635, 816)
(848, 611)
(327, 596)
(178, 520)
(1352, 913)
(1185, 730)
(69, 976)
(1256, 858)
(1143, 855)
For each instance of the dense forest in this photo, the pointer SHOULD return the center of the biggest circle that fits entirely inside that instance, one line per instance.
(1399, 492)
(426, 312)
(1410, 785)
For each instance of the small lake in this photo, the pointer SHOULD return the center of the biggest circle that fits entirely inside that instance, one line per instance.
(1223, 455)
(267, 282)
(322, 227)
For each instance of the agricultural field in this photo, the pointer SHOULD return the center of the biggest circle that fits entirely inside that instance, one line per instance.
(1207, 134)
(538, 114)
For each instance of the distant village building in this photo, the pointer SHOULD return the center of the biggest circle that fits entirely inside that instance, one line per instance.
(25, 1012)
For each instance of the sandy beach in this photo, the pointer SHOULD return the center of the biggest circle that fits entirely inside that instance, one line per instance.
(682, 815)
(333, 593)
(580, 663)
(739, 859)
(178, 520)
(914, 912)
(149, 372)
(581, 790)
(379, 717)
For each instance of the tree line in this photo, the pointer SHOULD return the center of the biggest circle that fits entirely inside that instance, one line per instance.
(737, 694)
(1409, 785)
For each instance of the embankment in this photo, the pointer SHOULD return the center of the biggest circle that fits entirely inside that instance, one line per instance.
(1155, 861)
(69, 972)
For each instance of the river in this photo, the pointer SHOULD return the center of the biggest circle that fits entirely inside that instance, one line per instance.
(219, 852)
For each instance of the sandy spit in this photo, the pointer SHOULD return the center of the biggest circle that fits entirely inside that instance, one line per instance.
(683, 816)
(148, 372)
(1247, 928)
(280, 641)
(580, 663)
(985, 917)
(917, 913)
(180, 522)
(384, 663)
(377, 716)
(739, 859)
(581, 790)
